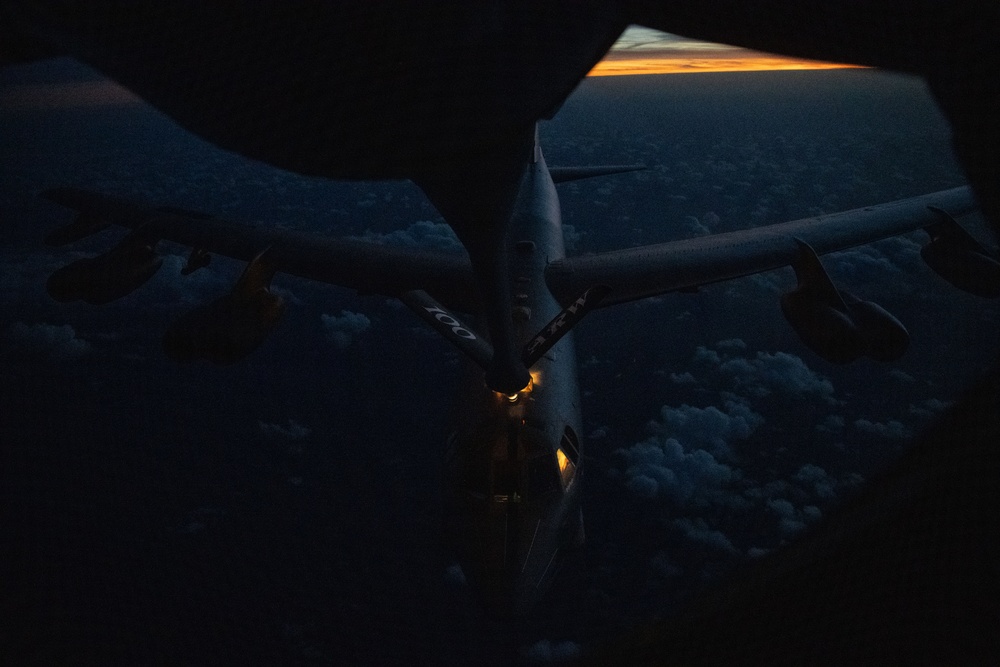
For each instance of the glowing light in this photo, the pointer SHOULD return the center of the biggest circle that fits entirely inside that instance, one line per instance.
(566, 468)
(515, 397)
(687, 64)
(536, 378)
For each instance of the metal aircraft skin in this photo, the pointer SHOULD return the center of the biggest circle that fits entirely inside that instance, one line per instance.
(450, 99)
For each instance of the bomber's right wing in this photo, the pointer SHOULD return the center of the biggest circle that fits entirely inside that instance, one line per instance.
(636, 273)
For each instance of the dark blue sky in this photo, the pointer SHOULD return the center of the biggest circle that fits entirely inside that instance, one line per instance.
(286, 509)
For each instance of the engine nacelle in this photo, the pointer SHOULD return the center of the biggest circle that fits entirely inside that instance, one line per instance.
(838, 326)
(959, 258)
(226, 330)
(840, 336)
(965, 268)
(99, 280)
(825, 329)
(885, 337)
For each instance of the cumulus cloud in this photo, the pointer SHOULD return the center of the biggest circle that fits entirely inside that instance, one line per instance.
(454, 575)
(420, 234)
(660, 468)
(781, 507)
(773, 282)
(294, 430)
(682, 378)
(902, 376)
(816, 480)
(788, 526)
(703, 355)
(691, 474)
(779, 372)
(892, 429)
(694, 226)
(861, 264)
(792, 520)
(731, 344)
(831, 424)
(545, 651)
(763, 374)
(57, 343)
(698, 531)
(343, 329)
(708, 427)
(928, 408)
(643, 485)
(873, 262)
(662, 566)
(812, 513)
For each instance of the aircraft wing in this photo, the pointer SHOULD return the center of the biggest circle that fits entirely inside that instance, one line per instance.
(645, 271)
(370, 268)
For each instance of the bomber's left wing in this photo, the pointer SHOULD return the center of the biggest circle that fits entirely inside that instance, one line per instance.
(645, 271)
(369, 268)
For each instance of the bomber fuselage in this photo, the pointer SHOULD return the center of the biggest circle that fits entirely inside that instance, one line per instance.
(513, 464)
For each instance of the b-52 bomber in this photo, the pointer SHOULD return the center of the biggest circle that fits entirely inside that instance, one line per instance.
(514, 460)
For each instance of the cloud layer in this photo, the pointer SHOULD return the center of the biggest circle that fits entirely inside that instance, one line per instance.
(56, 342)
(343, 329)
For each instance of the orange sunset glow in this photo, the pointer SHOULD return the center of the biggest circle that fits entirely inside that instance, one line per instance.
(645, 51)
(751, 62)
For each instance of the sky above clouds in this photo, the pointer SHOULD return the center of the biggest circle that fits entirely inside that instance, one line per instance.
(645, 51)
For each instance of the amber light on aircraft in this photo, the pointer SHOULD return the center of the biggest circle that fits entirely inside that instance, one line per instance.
(566, 467)
(514, 398)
